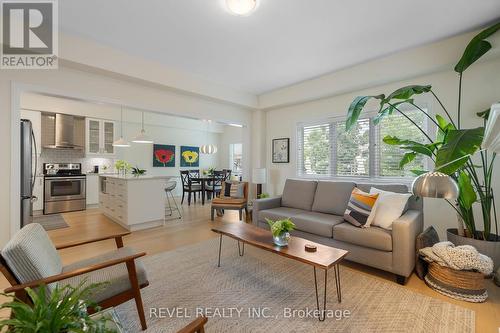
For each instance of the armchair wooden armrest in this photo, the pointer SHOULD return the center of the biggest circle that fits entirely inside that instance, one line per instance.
(117, 237)
(80, 271)
(196, 326)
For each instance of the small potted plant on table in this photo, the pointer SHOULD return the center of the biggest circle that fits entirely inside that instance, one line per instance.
(281, 230)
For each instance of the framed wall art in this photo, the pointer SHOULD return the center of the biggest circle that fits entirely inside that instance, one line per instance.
(281, 150)
(163, 156)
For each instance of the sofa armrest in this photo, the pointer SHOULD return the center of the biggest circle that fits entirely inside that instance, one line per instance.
(404, 234)
(263, 204)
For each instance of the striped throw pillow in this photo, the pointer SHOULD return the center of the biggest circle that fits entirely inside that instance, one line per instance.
(359, 207)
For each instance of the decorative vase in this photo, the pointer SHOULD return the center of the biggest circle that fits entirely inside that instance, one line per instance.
(489, 248)
(282, 239)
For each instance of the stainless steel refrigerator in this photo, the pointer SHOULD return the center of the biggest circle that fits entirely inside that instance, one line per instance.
(28, 171)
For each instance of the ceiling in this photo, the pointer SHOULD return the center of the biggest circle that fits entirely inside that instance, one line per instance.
(282, 43)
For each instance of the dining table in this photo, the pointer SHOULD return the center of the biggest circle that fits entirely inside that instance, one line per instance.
(203, 180)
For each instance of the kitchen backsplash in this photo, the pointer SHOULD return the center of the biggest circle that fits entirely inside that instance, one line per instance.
(74, 156)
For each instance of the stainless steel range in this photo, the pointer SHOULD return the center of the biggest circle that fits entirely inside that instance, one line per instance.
(64, 187)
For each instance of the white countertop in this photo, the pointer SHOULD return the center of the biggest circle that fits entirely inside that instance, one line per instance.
(132, 177)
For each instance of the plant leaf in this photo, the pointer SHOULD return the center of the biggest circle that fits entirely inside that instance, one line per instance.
(408, 145)
(484, 114)
(382, 113)
(476, 48)
(418, 172)
(459, 145)
(407, 158)
(408, 91)
(467, 194)
(356, 107)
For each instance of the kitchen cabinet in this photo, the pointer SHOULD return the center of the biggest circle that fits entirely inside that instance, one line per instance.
(100, 135)
(38, 193)
(134, 202)
(92, 189)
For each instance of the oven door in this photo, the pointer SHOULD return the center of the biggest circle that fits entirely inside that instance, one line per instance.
(64, 188)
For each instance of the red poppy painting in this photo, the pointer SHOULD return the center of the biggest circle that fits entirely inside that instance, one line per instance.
(163, 156)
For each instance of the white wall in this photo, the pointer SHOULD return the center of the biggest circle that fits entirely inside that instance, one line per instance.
(76, 83)
(481, 89)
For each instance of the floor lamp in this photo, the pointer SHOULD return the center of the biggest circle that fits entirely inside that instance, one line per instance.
(259, 178)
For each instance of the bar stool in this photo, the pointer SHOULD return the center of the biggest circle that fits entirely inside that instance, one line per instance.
(169, 188)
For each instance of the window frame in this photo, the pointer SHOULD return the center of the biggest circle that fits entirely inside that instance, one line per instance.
(374, 131)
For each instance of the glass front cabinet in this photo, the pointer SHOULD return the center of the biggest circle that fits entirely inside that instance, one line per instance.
(100, 136)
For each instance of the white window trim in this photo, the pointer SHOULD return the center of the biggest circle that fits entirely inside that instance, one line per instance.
(430, 128)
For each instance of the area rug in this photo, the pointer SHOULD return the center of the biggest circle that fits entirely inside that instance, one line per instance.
(264, 292)
(51, 222)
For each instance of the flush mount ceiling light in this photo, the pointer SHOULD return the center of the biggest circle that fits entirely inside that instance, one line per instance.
(142, 137)
(241, 7)
(121, 142)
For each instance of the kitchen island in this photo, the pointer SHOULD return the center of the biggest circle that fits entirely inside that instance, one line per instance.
(135, 202)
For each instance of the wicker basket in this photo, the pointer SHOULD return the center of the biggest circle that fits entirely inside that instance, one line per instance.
(464, 285)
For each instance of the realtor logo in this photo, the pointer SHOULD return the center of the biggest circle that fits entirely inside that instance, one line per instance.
(29, 34)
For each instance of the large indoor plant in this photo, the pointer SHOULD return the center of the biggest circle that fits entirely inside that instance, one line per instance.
(452, 147)
(64, 309)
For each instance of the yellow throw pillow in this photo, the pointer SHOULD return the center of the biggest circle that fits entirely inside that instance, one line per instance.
(359, 207)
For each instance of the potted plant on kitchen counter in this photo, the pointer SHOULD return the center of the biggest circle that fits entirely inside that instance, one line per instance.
(451, 151)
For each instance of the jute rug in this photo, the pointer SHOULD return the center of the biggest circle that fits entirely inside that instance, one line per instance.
(51, 222)
(264, 292)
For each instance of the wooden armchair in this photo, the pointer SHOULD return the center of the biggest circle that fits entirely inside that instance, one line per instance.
(222, 203)
(196, 326)
(30, 260)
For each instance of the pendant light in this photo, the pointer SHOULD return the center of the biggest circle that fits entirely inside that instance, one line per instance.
(121, 142)
(142, 137)
(208, 149)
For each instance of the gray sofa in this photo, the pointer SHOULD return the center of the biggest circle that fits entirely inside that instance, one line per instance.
(317, 208)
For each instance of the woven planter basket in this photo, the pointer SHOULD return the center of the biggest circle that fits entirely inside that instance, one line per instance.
(463, 285)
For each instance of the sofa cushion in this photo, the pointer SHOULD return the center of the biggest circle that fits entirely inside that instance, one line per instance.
(299, 194)
(373, 237)
(115, 277)
(279, 213)
(317, 223)
(332, 197)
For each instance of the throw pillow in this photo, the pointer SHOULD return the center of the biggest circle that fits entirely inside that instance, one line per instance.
(227, 189)
(237, 190)
(389, 207)
(426, 239)
(359, 207)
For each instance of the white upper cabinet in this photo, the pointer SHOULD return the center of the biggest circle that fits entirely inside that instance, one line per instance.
(100, 136)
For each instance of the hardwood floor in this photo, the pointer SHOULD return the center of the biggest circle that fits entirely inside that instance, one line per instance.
(195, 227)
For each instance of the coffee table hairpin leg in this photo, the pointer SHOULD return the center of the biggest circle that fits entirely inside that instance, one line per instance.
(322, 313)
(220, 247)
(241, 250)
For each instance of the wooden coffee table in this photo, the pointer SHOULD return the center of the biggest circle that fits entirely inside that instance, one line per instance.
(324, 258)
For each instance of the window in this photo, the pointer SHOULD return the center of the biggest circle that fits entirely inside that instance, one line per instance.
(236, 157)
(327, 149)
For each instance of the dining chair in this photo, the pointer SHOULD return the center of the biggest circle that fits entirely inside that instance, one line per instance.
(188, 186)
(30, 260)
(214, 187)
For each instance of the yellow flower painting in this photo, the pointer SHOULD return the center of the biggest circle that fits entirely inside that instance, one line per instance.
(190, 156)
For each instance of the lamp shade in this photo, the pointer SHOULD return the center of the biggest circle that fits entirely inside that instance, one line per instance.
(142, 138)
(491, 140)
(259, 176)
(435, 185)
(121, 142)
(208, 149)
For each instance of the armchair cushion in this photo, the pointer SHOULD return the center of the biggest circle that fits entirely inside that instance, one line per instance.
(31, 255)
(116, 276)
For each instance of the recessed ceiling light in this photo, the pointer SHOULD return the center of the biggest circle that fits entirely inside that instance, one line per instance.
(241, 7)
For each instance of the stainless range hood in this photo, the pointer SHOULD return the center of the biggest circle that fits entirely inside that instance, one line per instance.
(62, 131)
